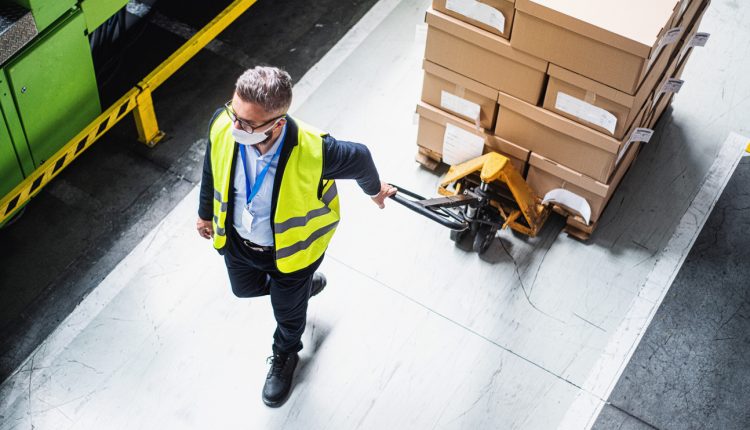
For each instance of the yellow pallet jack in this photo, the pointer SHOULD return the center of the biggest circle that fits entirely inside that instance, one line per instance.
(481, 196)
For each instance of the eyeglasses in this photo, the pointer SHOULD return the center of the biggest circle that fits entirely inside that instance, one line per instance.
(245, 124)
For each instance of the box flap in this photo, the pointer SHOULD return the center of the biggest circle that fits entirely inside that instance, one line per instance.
(559, 123)
(441, 117)
(484, 39)
(568, 175)
(633, 25)
(448, 75)
(508, 148)
(591, 85)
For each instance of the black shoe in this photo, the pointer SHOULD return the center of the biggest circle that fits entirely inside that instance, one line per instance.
(279, 380)
(318, 283)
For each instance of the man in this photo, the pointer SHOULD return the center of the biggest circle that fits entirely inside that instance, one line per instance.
(269, 201)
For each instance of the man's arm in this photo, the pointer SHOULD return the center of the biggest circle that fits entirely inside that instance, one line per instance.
(350, 160)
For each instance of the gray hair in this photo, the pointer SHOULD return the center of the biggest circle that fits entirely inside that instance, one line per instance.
(269, 87)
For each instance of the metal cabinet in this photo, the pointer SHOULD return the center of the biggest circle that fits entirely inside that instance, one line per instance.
(46, 11)
(10, 168)
(98, 11)
(54, 86)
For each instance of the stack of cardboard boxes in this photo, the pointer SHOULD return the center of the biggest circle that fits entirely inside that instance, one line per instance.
(568, 90)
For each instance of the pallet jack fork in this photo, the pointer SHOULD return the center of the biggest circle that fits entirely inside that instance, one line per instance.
(481, 196)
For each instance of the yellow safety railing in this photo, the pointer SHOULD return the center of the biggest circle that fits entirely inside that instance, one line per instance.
(138, 100)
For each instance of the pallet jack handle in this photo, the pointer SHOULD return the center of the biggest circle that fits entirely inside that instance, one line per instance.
(440, 215)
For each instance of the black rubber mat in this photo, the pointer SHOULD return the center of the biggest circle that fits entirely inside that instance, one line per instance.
(692, 367)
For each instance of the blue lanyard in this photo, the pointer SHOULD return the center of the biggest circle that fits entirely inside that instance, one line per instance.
(262, 176)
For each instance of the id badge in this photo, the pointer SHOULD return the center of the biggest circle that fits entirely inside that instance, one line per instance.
(247, 218)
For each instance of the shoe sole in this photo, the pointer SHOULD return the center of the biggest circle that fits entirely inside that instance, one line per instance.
(271, 404)
(277, 403)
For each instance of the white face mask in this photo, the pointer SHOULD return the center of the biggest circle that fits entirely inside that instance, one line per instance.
(244, 138)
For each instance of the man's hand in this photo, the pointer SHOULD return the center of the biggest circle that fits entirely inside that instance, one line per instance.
(386, 190)
(205, 228)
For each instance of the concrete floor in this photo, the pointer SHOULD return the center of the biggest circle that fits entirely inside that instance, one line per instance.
(87, 220)
(412, 332)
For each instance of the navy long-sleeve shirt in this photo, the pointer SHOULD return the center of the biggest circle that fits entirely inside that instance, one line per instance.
(341, 160)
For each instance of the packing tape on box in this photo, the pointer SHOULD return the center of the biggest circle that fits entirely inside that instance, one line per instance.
(571, 201)
(590, 97)
(639, 135)
(460, 90)
(477, 11)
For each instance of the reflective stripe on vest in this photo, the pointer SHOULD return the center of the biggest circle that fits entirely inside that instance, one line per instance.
(303, 224)
(222, 154)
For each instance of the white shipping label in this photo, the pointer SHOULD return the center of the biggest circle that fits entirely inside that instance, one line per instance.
(586, 111)
(459, 105)
(478, 11)
(699, 39)
(639, 135)
(672, 36)
(571, 201)
(671, 86)
(459, 145)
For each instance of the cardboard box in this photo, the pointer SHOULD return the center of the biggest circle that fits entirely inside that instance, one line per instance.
(613, 42)
(596, 105)
(545, 175)
(695, 24)
(459, 95)
(432, 127)
(688, 10)
(675, 71)
(613, 105)
(559, 139)
(495, 16)
(483, 57)
(664, 100)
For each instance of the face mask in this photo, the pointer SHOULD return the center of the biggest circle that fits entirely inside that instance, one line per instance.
(244, 138)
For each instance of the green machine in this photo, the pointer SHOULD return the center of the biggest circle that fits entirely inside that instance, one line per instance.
(48, 88)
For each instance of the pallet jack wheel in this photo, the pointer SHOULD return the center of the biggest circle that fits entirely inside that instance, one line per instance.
(483, 239)
(458, 236)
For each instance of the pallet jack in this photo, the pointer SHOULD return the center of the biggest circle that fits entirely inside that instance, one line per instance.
(481, 196)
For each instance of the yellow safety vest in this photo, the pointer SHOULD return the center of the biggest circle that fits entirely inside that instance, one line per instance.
(303, 222)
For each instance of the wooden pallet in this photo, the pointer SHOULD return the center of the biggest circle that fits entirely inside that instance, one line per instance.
(575, 226)
(430, 160)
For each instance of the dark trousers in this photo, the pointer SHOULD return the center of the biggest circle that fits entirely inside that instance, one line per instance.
(254, 274)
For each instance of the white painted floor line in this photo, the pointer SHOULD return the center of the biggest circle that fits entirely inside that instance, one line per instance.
(46, 353)
(623, 343)
(310, 82)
